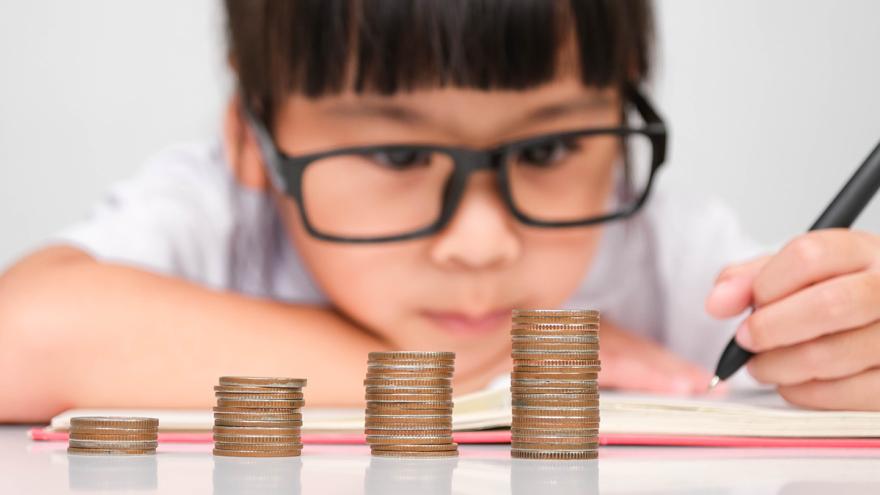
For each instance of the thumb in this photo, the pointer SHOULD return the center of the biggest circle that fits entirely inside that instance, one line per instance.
(732, 292)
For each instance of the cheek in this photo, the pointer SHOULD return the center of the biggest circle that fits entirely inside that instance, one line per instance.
(365, 281)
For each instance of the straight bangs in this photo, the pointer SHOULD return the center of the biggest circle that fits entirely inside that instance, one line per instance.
(326, 47)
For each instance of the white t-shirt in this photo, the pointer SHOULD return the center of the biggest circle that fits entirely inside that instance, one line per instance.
(184, 215)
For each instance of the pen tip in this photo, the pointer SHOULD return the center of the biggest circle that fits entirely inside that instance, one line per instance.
(714, 383)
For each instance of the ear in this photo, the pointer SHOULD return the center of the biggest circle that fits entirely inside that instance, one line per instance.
(241, 149)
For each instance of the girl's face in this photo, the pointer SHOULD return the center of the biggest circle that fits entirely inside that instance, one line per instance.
(452, 291)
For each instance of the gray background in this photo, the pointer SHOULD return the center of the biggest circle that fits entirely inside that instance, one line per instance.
(772, 104)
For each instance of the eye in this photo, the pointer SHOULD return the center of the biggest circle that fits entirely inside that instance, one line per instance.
(403, 158)
(546, 153)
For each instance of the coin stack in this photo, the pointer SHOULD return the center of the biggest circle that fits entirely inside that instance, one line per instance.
(258, 416)
(554, 395)
(108, 435)
(409, 404)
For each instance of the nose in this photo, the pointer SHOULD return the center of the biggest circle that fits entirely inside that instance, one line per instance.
(481, 235)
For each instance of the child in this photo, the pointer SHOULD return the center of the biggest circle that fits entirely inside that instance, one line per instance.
(400, 175)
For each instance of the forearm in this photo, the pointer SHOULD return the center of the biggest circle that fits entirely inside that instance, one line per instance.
(113, 336)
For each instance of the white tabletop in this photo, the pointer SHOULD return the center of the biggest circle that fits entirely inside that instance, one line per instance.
(45, 467)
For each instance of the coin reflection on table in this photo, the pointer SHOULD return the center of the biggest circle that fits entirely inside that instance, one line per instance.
(112, 473)
(395, 476)
(263, 475)
(530, 477)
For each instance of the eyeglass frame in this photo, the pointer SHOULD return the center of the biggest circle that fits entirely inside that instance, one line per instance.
(286, 171)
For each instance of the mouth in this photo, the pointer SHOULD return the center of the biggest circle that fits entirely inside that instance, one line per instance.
(463, 324)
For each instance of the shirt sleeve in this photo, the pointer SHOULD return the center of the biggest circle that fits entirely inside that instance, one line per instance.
(172, 218)
(695, 239)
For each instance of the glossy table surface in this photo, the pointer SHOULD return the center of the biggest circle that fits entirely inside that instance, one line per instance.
(45, 467)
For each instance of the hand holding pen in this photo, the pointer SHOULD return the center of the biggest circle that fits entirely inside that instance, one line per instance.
(815, 328)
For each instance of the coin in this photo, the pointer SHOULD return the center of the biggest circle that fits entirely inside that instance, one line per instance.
(257, 446)
(559, 455)
(411, 355)
(233, 430)
(126, 437)
(259, 439)
(113, 422)
(547, 432)
(116, 445)
(408, 382)
(257, 424)
(409, 439)
(260, 397)
(259, 381)
(554, 313)
(412, 453)
(258, 453)
(262, 404)
(416, 448)
(251, 410)
(81, 451)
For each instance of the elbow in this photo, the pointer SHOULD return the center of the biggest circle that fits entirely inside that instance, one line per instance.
(32, 348)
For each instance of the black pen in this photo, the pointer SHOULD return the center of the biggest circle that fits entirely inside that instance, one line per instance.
(841, 213)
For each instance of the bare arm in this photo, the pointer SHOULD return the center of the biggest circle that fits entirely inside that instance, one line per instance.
(78, 333)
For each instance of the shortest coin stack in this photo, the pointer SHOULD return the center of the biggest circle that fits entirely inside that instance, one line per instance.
(258, 416)
(409, 404)
(108, 435)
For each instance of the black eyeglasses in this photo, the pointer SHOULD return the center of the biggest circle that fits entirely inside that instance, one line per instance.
(397, 192)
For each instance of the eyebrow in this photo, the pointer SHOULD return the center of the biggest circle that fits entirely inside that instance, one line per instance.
(408, 115)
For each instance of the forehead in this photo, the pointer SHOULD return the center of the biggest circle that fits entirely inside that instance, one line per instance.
(461, 113)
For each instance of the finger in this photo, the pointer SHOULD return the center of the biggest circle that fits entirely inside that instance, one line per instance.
(827, 358)
(647, 368)
(732, 293)
(841, 303)
(854, 393)
(812, 258)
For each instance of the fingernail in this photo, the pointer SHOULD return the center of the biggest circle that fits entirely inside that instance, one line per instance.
(720, 288)
(744, 336)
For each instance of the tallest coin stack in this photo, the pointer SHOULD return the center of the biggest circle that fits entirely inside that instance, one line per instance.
(555, 396)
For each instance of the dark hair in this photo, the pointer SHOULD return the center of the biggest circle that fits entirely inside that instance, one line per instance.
(321, 47)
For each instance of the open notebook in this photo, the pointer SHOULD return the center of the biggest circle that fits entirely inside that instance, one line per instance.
(753, 418)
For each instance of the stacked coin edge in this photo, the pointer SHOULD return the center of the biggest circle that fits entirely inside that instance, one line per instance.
(409, 404)
(554, 393)
(111, 435)
(258, 416)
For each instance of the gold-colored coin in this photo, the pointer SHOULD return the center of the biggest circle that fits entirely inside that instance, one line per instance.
(258, 453)
(113, 422)
(261, 404)
(443, 447)
(411, 355)
(408, 382)
(125, 437)
(556, 443)
(257, 447)
(559, 432)
(408, 390)
(556, 422)
(81, 451)
(382, 398)
(554, 313)
(408, 440)
(279, 396)
(262, 381)
(257, 424)
(251, 410)
(111, 444)
(574, 376)
(539, 346)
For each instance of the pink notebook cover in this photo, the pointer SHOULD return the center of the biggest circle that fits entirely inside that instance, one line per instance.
(503, 436)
